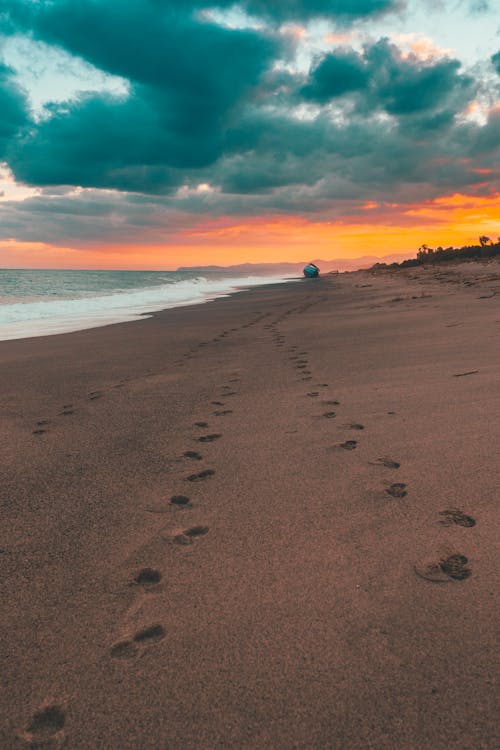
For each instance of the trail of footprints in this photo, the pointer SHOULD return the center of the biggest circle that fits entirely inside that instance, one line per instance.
(442, 568)
(149, 579)
(47, 725)
(42, 426)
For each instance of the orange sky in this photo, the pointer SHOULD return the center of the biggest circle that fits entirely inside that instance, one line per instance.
(377, 230)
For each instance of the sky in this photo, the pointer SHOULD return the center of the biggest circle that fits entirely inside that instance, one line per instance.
(158, 133)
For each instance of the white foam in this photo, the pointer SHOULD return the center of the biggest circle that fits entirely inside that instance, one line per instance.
(47, 317)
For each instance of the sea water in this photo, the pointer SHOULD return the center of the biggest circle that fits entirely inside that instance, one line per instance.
(42, 302)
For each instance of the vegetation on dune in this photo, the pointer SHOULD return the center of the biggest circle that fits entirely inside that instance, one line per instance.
(486, 248)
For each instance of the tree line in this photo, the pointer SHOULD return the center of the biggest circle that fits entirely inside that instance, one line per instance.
(487, 248)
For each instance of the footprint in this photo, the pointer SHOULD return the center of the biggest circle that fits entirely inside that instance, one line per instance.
(66, 412)
(200, 476)
(322, 385)
(150, 634)
(397, 490)
(46, 729)
(201, 424)
(189, 535)
(218, 403)
(43, 422)
(179, 500)
(124, 650)
(147, 578)
(353, 426)
(209, 438)
(454, 567)
(453, 515)
(95, 395)
(444, 570)
(330, 415)
(223, 413)
(387, 462)
(349, 445)
(129, 648)
(39, 432)
(313, 394)
(192, 454)
(308, 377)
(331, 403)
(229, 393)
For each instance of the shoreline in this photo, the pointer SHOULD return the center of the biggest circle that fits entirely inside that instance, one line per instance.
(327, 580)
(69, 322)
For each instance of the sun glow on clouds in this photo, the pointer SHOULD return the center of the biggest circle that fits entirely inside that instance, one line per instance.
(420, 46)
(378, 229)
(353, 162)
(10, 190)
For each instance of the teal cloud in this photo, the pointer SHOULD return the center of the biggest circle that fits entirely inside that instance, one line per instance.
(496, 62)
(13, 109)
(208, 104)
(187, 77)
(385, 80)
(337, 73)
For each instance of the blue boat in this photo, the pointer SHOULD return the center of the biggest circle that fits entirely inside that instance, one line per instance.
(311, 271)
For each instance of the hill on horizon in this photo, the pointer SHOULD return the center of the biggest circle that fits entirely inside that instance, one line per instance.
(339, 264)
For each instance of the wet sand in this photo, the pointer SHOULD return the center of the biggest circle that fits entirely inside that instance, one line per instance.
(263, 522)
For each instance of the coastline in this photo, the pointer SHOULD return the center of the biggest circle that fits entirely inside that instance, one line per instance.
(290, 602)
(42, 317)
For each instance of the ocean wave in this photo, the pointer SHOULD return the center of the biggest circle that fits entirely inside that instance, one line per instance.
(44, 317)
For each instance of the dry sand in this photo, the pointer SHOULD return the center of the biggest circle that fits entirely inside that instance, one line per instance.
(329, 584)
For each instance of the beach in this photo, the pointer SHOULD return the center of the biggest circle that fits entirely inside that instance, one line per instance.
(267, 521)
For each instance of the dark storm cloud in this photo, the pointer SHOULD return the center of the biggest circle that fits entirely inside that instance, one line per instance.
(336, 74)
(305, 9)
(496, 62)
(86, 217)
(92, 142)
(13, 111)
(186, 76)
(207, 104)
(486, 140)
(407, 86)
(295, 10)
(159, 46)
(386, 80)
(362, 158)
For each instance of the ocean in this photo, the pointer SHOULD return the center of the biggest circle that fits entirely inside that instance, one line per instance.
(43, 302)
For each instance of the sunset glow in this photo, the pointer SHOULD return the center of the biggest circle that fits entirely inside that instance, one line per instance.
(280, 132)
(379, 230)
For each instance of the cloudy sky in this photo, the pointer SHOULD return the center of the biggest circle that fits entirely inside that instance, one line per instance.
(158, 133)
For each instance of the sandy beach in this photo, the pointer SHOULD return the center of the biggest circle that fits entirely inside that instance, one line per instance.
(263, 522)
